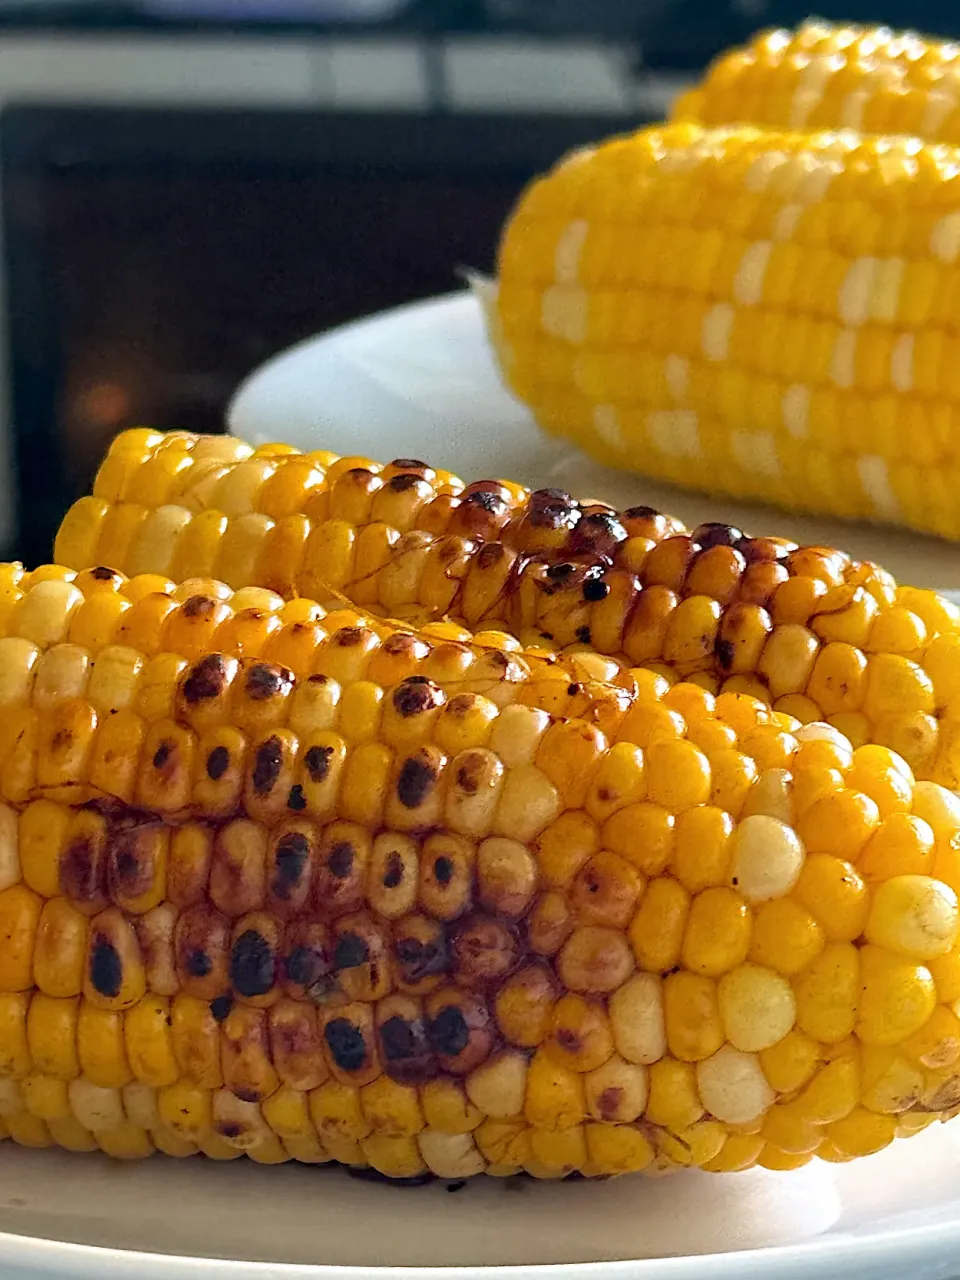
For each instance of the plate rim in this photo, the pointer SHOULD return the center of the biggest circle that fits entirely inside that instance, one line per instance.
(39, 1255)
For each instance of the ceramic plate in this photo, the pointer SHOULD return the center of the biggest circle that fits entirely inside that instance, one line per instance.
(420, 381)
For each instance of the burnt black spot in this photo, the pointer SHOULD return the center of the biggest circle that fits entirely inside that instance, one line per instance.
(102, 574)
(573, 690)
(443, 870)
(490, 555)
(415, 695)
(557, 572)
(567, 1040)
(346, 1043)
(583, 635)
(229, 1129)
(714, 534)
(252, 964)
(265, 681)
(340, 860)
(162, 754)
(350, 952)
(347, 637)
(448, 1031)
(599, 533)
(305, 966)
(641, 513)
(207, 678)
(199, 607)
(127, 865)
(548, 497)
(401, 483)
(725, 652)
(291, 856)
(468, 775)
(317, 761)
(487, 500)
(416, 780)
(198, 963)
(595, 589)
(398, 1039)
(218, 762)
(410, 464)
(106, 968)
(221, 1006)
(266, 766)
(393, 873)
(296, 800)
(421, 959)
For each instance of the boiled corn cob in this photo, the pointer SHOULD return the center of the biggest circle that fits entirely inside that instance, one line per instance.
(766, 314)
(805, 629)
(286, 904)
(824, 76)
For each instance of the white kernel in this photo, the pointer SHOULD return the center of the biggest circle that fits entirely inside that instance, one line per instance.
(497, 1087)
(757, 1007)
(767, 858)
(901, 363)
(756, 452)
(717, 327)
(875, 479)
(856, 291)
(748, 282)
(757, 177)
(842, 367)
(820, 731)
(450, 1155)
(795, 405)
(563, 312)
(607, 425)
(675, 432)
(636, 1016)
(732, 1086)
(945, 238)
(916, 915)
(786, 221)
(676, 371)
(566, 261)
(770, 795)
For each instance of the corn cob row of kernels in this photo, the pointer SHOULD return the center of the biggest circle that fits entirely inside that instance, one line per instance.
(823, 76)
(784, 331)
(815, 634)
(661, 975)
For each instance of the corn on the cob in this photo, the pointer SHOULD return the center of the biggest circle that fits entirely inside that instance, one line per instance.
(807, 630)
(824, 76)
(766, 314)
(329, 907)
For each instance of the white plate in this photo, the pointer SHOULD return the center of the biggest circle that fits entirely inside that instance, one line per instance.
(420, 381)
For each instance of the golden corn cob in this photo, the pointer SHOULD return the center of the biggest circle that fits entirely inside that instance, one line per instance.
(806, 630)
(765, 314)
(293, 903)
(824, 76)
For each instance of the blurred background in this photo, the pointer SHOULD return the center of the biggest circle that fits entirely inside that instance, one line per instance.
(189, 186)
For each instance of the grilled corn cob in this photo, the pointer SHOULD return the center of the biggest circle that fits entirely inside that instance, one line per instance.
(766, 314)
(823, 76)
(301, 903)
(806, 630)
